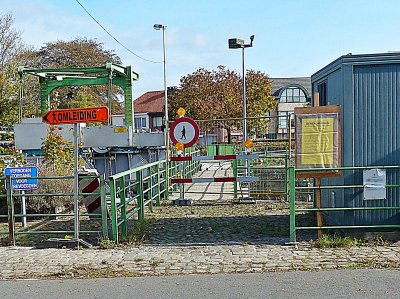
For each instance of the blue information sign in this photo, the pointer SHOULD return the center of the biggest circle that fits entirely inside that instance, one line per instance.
(23, 178)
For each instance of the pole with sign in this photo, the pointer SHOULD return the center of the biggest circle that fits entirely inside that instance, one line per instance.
(76, 196)
(21, 178)
(184, 133)
(76, 116)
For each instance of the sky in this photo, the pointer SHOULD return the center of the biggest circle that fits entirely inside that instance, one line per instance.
(292, 38)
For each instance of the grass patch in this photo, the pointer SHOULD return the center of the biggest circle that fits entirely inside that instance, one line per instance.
(336, 241)
(139, 231)
(87, 271)
(107, 244)
(156, 262)
(362, 264)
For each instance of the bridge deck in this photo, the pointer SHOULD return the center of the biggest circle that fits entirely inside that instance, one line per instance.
(212, 191)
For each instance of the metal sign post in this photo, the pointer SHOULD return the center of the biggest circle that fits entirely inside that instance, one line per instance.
(185, 131)
(23, 208)
(76, 116)
(76, 203)
(22, 178)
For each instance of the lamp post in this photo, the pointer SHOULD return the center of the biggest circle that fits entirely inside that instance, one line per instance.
(162, 27)
(237, 43)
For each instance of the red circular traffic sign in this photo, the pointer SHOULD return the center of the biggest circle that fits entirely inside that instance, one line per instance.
(185, 130)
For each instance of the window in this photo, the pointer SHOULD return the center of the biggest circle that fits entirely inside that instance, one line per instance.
(284, 119)
(293, 95)
(140, 122)
(322, 94)
(157, 121)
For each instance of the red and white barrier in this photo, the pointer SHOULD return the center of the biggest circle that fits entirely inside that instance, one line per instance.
(211, 180)
(90, 185)
(218, 157)
(181, 181)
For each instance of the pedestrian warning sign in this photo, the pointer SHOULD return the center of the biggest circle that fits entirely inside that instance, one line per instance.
(79, 115)
(184, 130)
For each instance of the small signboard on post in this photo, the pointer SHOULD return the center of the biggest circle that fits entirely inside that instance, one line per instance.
(23, 178)
(374, 183)
(318, 145)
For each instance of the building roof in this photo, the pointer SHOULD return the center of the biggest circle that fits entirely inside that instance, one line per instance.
(360, 59)
(153, 101)
(279, 83)
(150, 102)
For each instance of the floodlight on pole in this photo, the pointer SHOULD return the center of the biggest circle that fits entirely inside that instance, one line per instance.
(237, 43)
(162, 27)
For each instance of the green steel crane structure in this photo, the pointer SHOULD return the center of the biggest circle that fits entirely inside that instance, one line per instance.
(109, 74)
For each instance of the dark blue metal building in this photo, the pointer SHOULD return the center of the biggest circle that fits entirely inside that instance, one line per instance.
(367, 88)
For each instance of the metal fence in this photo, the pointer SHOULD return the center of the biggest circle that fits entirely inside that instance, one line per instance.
(37, 223)
(294, 189)
(133, 190)
(272, 141)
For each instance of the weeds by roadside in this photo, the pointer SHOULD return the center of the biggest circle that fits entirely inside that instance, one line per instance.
(336, 241)
(139, 231)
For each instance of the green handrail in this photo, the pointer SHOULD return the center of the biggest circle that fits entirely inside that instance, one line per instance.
(144, 190)
(293, 210)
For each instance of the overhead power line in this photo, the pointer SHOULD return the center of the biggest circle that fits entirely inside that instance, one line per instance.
(113, 37)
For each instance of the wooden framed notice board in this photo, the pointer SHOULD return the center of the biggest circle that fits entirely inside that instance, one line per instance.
(318, 140)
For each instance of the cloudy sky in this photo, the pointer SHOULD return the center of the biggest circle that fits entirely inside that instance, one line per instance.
(292, 38)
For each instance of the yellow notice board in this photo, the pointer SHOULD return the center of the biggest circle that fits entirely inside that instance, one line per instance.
(318, 138)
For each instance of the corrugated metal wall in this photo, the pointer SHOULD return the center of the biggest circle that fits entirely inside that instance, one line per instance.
(369, 96)
(376, 117)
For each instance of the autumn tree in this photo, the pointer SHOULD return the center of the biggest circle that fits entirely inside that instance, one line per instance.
(13, 53)
(217, 94)
(80, 52)
(58, 152)
(77, 53)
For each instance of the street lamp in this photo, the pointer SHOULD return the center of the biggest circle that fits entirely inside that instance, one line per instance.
(162, 27)
(237, 43)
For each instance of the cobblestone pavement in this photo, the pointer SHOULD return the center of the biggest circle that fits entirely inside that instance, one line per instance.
(193, 241)
(216, 236)
(165, 260)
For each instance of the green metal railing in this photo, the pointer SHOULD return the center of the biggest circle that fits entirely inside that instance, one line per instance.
(12, 229)
(190, 167)
(133, 190)
(271, 168)
(293, 210)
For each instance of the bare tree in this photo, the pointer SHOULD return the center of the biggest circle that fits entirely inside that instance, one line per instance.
(10, 39)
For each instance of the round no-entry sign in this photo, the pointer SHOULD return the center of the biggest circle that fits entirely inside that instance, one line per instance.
(184, 130)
